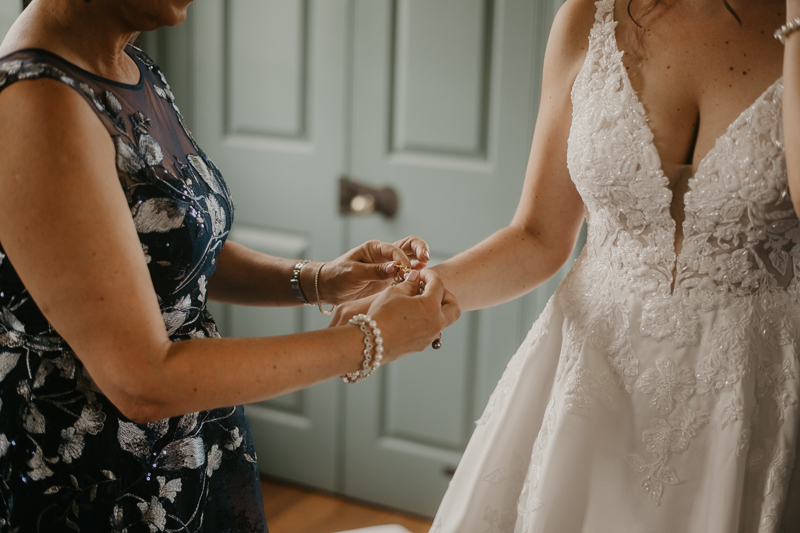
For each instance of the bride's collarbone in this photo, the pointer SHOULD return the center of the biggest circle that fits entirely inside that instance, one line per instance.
(696, 72)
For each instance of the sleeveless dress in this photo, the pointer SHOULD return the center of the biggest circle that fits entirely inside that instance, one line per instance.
(69, 460)
(633, 406)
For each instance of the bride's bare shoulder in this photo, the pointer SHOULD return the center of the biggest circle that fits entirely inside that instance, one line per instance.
(569, 36)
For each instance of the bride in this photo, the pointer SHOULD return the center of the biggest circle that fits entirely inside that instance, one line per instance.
(658, 392)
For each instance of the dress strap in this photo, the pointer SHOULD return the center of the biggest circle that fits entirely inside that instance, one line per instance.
(605, 10)
(604, 19)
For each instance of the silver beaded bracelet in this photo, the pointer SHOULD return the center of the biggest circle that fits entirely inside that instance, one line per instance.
(784, 31)
(372, 339)
(295, 282)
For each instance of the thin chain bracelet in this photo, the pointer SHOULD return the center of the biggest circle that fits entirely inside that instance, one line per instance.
(401, 274)
(784, 31)
(316, 290)
(370, 330)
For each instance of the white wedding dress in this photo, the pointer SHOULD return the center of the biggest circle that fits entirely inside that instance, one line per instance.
(632, 406)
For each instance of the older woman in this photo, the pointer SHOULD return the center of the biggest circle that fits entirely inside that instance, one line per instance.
(116, 397)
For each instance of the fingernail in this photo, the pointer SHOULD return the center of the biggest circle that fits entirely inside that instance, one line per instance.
(427, 253)
(412, 276)
(390, 268)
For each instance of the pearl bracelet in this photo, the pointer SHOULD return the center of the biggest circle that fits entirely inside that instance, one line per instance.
(784, 31)
(370, 330)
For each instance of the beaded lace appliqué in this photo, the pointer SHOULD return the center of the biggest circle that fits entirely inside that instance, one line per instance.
(739, 254)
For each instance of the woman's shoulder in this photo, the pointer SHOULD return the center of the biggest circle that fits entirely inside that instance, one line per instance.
(572, 25)
(46, 75)
(568, 42)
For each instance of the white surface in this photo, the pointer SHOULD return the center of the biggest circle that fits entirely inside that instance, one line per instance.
(379, 529)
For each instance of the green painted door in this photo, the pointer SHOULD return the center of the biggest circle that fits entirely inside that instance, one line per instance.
(446, 92)
(269, 82)
(434, 98)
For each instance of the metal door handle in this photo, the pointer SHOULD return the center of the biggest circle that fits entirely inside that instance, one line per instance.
(358, 199)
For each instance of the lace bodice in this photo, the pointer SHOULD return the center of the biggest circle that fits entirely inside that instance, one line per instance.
(741, 234)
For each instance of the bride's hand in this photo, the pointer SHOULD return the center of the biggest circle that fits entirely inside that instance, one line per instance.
(368, 269)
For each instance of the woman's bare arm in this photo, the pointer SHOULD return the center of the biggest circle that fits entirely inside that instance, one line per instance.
(542, 234)
(66, 227)
(247, 277)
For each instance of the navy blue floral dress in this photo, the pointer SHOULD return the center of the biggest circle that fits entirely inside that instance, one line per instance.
(69, 460)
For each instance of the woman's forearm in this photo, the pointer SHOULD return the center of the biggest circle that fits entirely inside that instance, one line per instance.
(199, 374)
(246, 277)
(150, 377)
(505, 266)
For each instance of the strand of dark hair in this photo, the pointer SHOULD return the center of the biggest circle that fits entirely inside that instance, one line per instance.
(652, 5)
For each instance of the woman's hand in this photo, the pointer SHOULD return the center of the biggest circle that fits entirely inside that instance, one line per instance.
(344, 312)
(409, 319)
(368, 269)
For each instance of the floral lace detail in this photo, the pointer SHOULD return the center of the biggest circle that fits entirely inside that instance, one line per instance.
(739, 255)
(583, 386)
(508, 479)
(665, 438)
(528, 499)
(740, 234)
(668, 384)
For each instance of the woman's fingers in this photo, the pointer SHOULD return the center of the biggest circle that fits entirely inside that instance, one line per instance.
(434, 289)
(410, 286)
(416, 248)
(450, 307)
(378, 261)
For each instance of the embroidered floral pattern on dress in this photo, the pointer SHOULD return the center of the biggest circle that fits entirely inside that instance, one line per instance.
(739, 252)
(529, 499)
(663, 439)
(508, 480)
(80, 463)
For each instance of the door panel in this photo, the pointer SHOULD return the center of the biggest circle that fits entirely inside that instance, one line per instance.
(444, 96)
(267, 49)
(439, 86)
(436, 99)
(269, 85)
(9, 11)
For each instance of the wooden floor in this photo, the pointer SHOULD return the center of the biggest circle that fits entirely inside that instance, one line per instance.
(292, 509)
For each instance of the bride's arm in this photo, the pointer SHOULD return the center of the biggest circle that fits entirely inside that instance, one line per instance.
(544, 229)
(791, 104)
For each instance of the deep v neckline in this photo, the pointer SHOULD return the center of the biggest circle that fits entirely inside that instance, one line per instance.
(673, 267)
(646, 120)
